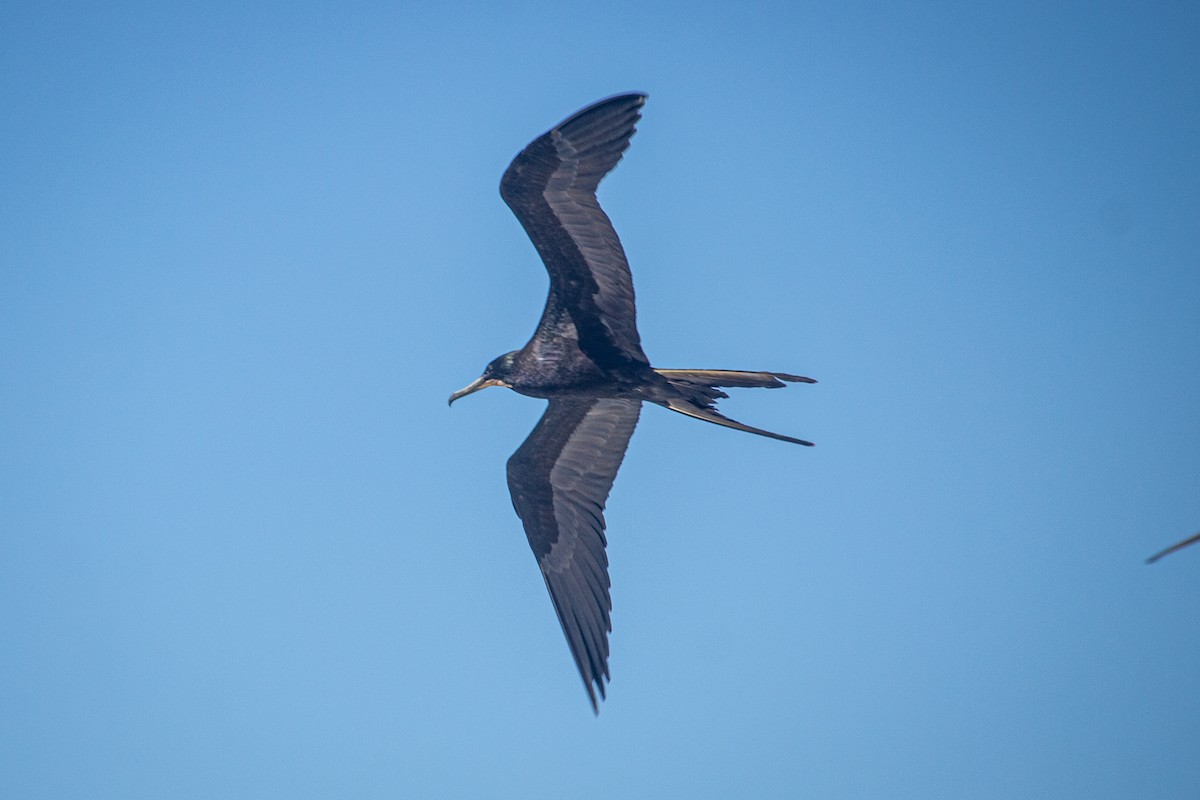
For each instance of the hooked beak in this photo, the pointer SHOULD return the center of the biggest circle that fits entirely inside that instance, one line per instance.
(475, 386)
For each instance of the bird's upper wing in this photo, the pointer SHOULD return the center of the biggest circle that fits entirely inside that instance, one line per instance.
(551, 187)
(559, 480)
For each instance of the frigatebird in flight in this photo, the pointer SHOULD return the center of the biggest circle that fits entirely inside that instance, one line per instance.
(586, 358)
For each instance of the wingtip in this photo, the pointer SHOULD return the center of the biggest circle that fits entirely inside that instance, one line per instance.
(1173, 548)
(638, 101)
(639, 96)
(591, 690)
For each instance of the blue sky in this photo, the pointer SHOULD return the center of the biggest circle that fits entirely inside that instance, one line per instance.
(246, 252)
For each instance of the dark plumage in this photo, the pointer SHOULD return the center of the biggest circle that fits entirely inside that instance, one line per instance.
(586, 357)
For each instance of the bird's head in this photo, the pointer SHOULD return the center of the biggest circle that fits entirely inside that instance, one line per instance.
(495, 374)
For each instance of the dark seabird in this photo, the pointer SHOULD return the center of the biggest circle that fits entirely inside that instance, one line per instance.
(586, 358)
(1173, 548)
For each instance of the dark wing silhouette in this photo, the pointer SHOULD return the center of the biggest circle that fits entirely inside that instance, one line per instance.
(559, 480)
(551, 187)
(1173, 548)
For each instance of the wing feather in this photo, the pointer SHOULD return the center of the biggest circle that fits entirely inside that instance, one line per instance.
(559, 480)
(551, 188)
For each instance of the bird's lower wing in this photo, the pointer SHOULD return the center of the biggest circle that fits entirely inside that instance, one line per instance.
(559, 480)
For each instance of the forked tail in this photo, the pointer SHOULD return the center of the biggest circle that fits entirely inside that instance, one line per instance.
(733, 378)
(699, 392)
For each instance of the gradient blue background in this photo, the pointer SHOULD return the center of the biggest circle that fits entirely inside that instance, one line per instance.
(246, 551)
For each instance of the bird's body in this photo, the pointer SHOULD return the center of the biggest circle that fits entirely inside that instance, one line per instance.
(586, 358)
(558, 369)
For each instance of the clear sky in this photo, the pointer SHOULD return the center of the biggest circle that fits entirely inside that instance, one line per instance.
(248, 250)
